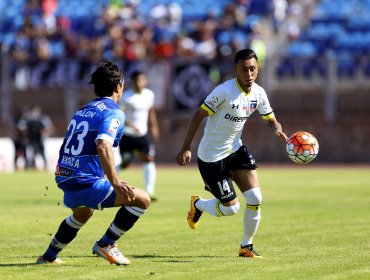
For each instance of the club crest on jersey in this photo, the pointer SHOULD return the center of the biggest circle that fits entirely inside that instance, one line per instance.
(114, 124)
(252, 106)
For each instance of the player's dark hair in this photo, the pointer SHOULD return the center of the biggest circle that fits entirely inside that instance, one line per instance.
(244, 55)
(135, 74)
(105, 78)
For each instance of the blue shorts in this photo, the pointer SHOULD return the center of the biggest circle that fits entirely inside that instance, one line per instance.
(100, 195)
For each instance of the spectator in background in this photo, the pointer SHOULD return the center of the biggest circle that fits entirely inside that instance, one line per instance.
(38, 126)
(48, 15)
(184, 46)
(206, 46)
(279, 13)
(20, 138)
(20, 54)
(31, 129)
(123, 32)
(141, 122)
(257, 43)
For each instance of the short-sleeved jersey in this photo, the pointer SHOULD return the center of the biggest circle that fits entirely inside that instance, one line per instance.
(136, 107)
(229, 107)
(78, 164)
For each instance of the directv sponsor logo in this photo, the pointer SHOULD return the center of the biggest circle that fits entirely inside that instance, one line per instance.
(235, 119)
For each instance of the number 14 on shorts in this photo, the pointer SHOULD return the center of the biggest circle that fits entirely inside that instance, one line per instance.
(225, 189)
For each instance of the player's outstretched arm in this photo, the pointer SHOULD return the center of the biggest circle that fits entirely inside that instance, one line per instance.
(184, 156)
(277, 129)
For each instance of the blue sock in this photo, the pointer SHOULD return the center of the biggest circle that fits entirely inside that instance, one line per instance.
(105, 241)
(50, 254)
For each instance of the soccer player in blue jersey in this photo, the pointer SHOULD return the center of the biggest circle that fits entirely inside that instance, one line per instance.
(86, 171)
(222, 157)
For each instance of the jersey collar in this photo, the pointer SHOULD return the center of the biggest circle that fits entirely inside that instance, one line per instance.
(240, 88)
(138, 92)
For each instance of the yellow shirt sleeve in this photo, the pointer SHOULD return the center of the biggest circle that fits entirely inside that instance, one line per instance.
(268, 116)
(205, 107)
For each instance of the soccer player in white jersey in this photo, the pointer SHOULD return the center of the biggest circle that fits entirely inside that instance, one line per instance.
(222, 157)
(141, 129)
(86, 171)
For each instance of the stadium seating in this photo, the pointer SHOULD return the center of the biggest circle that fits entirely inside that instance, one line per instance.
(337, 27)
(83, 12)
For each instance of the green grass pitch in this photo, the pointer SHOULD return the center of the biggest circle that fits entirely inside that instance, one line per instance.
(315, 225)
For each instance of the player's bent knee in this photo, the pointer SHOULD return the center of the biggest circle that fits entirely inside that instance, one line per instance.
(142, 199)
(82, 214)
(230, 210)
(253, 196)
(146, 157)
(147, 200)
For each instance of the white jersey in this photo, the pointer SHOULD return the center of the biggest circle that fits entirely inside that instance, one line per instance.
(229, 107)
(136, 107)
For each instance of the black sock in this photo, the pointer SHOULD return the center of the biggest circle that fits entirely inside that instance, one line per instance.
(125, 219)
(66, 233)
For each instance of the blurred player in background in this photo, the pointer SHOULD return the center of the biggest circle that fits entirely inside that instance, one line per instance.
(222, 157)
(141, 129)
(31, 129)
(39, 127)
(86, 171)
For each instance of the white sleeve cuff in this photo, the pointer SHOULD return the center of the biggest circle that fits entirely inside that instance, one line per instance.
(104, 137)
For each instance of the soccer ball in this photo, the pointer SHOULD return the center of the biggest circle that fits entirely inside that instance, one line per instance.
(302, 147)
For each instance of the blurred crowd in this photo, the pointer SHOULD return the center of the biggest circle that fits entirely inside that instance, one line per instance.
(122, 32)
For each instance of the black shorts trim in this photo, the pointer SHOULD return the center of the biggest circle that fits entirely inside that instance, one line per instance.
(130, 144)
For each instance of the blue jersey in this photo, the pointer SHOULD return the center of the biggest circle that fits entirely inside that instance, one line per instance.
(78, 164)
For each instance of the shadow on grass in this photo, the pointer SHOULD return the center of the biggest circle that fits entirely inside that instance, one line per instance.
(154, 257)
(34, 258)
(172, 259)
